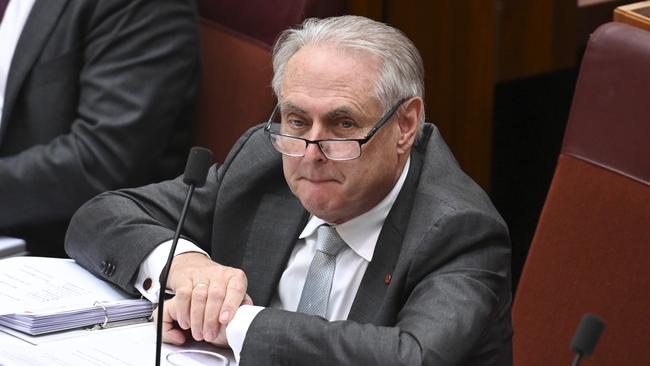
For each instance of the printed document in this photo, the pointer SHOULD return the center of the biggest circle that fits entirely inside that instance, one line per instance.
(33, 284)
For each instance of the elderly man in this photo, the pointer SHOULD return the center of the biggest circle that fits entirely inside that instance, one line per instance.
(341, 232)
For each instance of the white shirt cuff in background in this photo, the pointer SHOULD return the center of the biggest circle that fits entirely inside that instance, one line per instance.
(147, 281)
(238, 326)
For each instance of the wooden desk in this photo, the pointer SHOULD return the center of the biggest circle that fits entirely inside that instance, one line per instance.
(637, 14)
(132, 345)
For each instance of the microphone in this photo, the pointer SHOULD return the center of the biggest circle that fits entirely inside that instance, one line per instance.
(196, 171)
(586, 337)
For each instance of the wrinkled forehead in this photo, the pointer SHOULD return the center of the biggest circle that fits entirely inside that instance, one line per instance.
(323, 64)
(331, 74)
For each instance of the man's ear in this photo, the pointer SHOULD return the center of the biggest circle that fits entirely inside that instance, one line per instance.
(408, 122)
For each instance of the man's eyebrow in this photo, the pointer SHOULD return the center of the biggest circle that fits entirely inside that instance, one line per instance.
(339, 112)
(290, 107)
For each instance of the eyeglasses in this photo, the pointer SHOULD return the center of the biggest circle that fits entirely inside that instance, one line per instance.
(333, 149)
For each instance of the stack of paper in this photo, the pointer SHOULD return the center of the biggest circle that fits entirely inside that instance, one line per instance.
(10, 247)
(43, 295)
(101, 314)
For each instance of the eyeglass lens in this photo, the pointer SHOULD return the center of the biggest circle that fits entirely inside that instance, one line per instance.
(333, 149)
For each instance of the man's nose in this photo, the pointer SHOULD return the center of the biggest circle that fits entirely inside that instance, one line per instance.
(314, 152)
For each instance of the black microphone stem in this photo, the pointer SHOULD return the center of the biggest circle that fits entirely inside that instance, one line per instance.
(576, 359)
(165, 273)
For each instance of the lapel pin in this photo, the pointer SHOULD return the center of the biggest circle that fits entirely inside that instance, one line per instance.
(387, 278)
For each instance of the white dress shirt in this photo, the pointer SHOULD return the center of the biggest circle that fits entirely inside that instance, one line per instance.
(11, 28)
(147, 280)
(360, 234)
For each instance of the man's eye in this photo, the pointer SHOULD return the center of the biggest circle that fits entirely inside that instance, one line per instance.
(346, 124)
(296, 123)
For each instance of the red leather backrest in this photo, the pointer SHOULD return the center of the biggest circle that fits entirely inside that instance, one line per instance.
(591, 249)
(609, 121)
(235, 87)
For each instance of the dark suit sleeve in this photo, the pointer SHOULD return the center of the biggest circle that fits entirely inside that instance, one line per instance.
(455, 309)
(123, 227)
(140, 68)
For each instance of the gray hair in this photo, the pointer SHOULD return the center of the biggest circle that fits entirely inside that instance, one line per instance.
(401, 72)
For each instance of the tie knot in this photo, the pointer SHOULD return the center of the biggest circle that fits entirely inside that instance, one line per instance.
(328, 240)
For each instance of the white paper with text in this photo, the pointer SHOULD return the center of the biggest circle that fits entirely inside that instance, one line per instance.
(34, 284)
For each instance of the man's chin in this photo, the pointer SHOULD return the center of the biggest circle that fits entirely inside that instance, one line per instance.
(321, 207)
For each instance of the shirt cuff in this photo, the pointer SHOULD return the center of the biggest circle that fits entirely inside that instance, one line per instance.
(238, 327)
(147, 282)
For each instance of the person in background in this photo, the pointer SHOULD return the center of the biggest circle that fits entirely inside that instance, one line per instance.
(341, 232)
(94, 96)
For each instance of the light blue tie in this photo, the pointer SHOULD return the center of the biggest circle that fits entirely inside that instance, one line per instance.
(316, 293)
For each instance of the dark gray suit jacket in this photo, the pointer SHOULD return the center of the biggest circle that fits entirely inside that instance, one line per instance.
(99, 96)
(444, 244)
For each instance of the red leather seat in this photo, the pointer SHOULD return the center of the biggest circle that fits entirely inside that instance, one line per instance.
(235, 87)
(591, 249)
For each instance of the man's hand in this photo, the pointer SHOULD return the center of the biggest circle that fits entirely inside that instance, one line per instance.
(207, 296)
(174, 335)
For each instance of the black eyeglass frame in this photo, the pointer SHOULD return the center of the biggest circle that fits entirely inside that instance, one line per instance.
(382, 121)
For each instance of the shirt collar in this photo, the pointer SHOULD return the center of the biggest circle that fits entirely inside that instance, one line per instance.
(361, 233)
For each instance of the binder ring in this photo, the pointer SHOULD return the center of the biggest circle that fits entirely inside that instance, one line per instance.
(96, 303)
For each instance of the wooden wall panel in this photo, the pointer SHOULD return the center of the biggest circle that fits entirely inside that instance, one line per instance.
(535, 36)
(373, 9)
(468, 46)
(456, 40)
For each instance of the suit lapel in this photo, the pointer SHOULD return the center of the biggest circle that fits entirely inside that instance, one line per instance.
(373, 287)
(277, 223)
(38, 27)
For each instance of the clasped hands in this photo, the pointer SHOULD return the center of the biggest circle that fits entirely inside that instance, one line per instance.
(207, 296)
